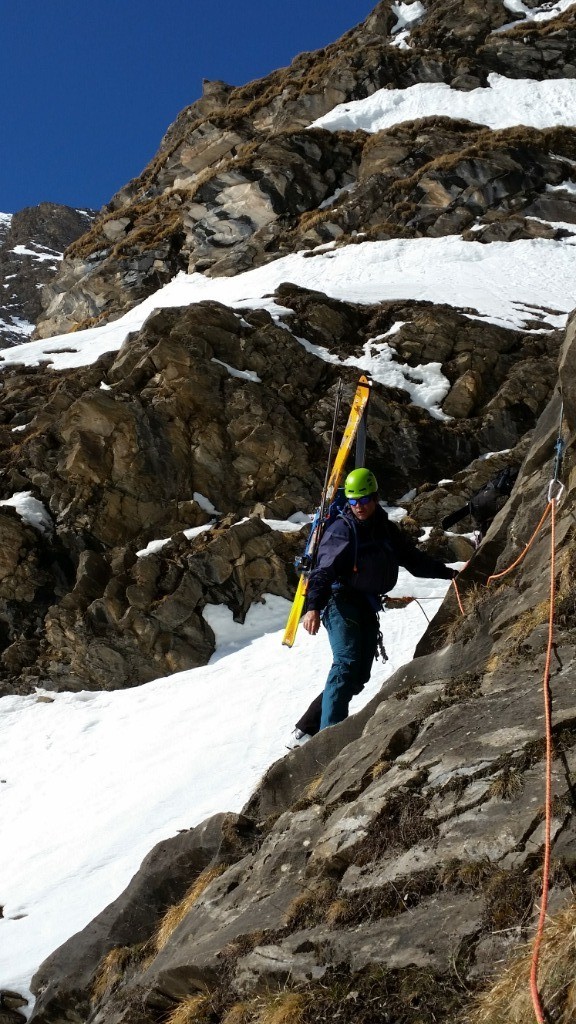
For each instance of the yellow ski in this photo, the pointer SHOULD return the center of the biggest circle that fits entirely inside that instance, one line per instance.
(357, 410)
(295, 611)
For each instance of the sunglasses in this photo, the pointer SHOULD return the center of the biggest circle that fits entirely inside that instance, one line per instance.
(360, 501)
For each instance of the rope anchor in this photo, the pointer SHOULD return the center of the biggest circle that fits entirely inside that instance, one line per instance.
(555, 491)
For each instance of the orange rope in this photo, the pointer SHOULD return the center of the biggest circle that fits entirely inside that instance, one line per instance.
(550, 508)
(536, 1002)
(458, 596)
(505, 572)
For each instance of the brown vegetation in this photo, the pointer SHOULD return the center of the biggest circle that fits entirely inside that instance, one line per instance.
(111, 970)
(177, 913)
(509, 998)
(192, 1010)
(113, 967)
(400, 824)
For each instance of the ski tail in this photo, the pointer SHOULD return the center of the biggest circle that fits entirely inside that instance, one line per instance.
(295, 612)
(333, 479)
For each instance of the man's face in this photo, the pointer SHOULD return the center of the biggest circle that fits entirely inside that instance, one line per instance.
(364, 508)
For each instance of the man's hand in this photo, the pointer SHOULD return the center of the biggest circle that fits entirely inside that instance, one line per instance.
(311, 622)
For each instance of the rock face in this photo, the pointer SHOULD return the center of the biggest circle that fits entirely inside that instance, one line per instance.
(380, 872)
(205, 417)
(240, 177)
(31, 246)
(426, 807)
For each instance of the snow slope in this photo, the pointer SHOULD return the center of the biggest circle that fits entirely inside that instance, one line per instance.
(90, 781)
(505, 282)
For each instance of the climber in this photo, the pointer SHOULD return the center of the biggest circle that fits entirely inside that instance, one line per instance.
(357, 564)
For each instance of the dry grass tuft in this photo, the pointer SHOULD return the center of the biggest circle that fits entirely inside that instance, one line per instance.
(509, 999)
(375, 995)
(401, 824)
(379, 768)
(458, 874)
(462, 627)
(177, 913)
(239, 1013)
(309, 795)
(313, 787)
(285, 1008)
(493, 663)
(525, 625)
(463, 687)
(506, 785)
(311, 905)
(509, 898)
(338, 912)
(111, 970)
(89, 321)
(192, 1010)
(566, 594)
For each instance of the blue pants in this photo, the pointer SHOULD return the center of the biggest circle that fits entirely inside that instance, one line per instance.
(353, 633)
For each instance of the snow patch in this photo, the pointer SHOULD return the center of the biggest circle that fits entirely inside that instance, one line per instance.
(496, 279)
(156, 545)
(426, 384)
(505, 103)
(335, 195)
(205, 504)
(545, 12)
(565, 186)
(243, 374)
(283, 525)
(32, 511)
(407, 16)
(41, 257)
(21, 326)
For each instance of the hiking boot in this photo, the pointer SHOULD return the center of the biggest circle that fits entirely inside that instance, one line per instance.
(297, 739)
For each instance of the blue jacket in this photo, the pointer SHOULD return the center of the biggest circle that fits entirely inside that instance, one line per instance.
(363, 558)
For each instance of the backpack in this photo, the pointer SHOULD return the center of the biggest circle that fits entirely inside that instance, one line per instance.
(304, 563)
(504, 480)
(486, 502)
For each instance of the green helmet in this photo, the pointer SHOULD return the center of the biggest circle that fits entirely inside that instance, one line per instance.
(359, 483)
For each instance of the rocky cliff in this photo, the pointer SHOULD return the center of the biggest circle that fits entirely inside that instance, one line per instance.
(386, 870)
(240, 178)
(32, 243)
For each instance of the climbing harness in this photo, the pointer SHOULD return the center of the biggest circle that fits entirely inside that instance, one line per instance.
(555, 492)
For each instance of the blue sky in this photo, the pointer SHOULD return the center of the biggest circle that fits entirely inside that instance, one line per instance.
(88, 87)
